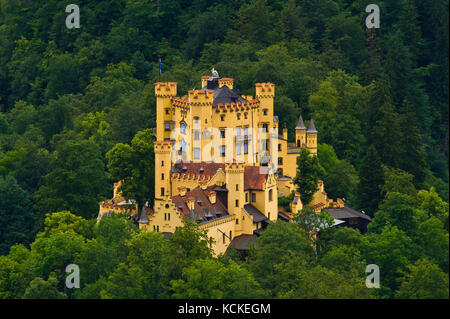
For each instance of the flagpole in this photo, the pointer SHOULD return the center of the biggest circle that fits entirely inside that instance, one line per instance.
(160, 70)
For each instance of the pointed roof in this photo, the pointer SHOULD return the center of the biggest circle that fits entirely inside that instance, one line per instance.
(311, 127)
(300, 124)
(143, 219)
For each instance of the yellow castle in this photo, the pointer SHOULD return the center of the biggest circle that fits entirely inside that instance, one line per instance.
(220, 163)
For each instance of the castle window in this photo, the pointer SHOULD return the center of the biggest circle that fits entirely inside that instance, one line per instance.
(196, 120)
(162, 176)
(268, 215)
(162, 191)
(245, 115)
(168, 216)
(298, 143)
(265, 127)
(238, 115)
(165, 216)
(279, 147)
(270, 195)
(183, 128)
(265, 111)
(222, 117)
(237, 203)
(167, 126)
(237, 187)
(246, 132)
(245, 147)
(196, 135)
(157, 228)
(162, 163)
(167, 111)
(253, 197)
(237, 221)
(222, 150)
(222, 133)
(280, 161)
(238, 148)
(196, 152)
(238, 131)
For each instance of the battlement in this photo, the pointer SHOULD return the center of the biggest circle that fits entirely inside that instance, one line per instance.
(235, 167)
(200, 97)
(226, 82)
(165, 89)
(237, 107)
(162, 146)
(265, 90)
(181, 103)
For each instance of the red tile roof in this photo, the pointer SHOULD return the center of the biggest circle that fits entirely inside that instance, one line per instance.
(202, 204)
(254, 177)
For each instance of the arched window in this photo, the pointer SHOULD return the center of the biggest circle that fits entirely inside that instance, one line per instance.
(183, 128)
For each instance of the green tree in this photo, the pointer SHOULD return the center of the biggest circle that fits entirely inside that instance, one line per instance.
(135, 165)
(398, 210)
(399, 181)
(308, 173)
(18, 215)
(424, 281)
(43, 289)
(280, 241)
(371, 179)
(210, 279)
(78, 181)
(342, 182)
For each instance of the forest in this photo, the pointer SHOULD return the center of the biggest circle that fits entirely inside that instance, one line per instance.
(71, 99)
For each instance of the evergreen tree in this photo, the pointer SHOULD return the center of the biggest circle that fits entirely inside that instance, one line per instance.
(309, 172)
(371, 180)
(386, 133)
(412, 158)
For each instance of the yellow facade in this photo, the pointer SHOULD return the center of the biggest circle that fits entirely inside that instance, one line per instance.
(241, 160)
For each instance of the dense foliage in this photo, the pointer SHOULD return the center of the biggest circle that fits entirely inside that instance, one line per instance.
(77, 106)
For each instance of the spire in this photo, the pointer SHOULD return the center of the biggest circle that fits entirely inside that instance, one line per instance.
(143, 219)
(300, 124)
(311, 127)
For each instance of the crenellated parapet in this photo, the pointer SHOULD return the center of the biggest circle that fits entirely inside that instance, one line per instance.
(201, 97)
(161, 147)
(165, 89)
(237, 107)
(265, 90)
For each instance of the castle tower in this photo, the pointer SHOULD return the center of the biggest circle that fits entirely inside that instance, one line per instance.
(234, 177)
(300, 133)
(265, 93)
(164, 91)
(162, 169)
(201, 105)
(311, 137)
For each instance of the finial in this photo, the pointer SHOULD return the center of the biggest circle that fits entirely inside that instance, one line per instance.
(214, 72)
